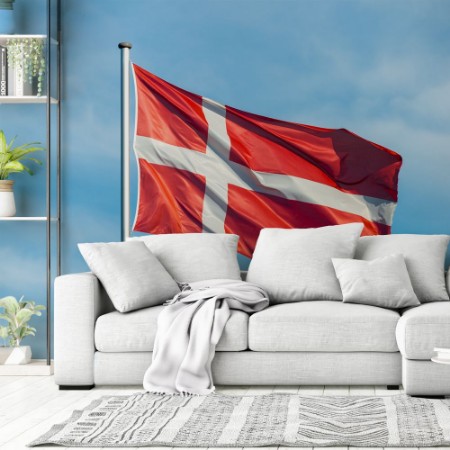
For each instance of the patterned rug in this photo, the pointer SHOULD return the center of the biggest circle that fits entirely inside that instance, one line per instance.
(220, 420)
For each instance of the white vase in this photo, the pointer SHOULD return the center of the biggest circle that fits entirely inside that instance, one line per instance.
(15, 355)
(7, 203)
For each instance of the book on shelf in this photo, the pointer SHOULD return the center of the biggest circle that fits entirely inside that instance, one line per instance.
(19, 83)
(3, 71)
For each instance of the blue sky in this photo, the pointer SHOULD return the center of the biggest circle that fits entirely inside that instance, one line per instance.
(377, 67)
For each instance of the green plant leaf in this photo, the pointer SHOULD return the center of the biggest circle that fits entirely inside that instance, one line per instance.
(10, 304)
(7, 317)
(10, 156)
(12, 142)
(24, 331)
(14, 166)
(36, 161)
(18, 153)
(3, 143)
(17, 314)
(4, 157)
(23, 316)
(36, 309)
(4, 332)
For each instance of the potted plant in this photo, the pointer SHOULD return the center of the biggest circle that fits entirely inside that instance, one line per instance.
(17, 314)
(26, 57)
(12, 161)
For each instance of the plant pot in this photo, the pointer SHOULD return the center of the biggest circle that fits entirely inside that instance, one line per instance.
(15, 355)
(7, 203)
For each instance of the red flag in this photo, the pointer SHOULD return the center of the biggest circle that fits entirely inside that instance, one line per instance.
(206, 167)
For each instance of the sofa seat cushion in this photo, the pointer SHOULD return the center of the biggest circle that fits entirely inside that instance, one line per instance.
(136, 331)
(423, 328)
(323, 326)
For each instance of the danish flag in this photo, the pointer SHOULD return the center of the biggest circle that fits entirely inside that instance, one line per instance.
(206, 167)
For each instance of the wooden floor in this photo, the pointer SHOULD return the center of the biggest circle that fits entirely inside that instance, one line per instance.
(30, 405)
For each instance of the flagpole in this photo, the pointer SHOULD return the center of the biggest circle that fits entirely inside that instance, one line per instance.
(125, 139)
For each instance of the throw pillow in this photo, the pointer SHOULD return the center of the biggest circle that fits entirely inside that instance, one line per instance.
(292, 265)
(382, 282)
(196, 256)
(131, 275)
(424, 256)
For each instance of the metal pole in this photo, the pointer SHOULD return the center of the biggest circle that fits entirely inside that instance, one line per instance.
(48, 187)
(125, 139)
(58, 138)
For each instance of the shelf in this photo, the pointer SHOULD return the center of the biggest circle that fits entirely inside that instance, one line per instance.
(35, 367)
(22, 36)
(5, 37)
(27, 99)
(27, 219)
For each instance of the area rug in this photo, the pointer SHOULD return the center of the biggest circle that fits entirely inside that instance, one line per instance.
(217, 420)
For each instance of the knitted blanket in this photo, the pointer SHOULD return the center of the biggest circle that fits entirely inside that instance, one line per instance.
(189, 328)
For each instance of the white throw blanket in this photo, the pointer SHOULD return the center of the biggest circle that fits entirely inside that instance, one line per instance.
(190, 327)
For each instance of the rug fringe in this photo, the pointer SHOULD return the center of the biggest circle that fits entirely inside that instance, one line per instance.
(177, 394)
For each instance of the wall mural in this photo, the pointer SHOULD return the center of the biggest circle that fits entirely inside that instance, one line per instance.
(379, 69)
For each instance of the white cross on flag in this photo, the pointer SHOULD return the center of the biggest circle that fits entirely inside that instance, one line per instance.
(206, 167)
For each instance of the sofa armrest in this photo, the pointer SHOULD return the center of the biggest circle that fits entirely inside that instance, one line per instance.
(448, 281)
(79, 301)
(423, 328)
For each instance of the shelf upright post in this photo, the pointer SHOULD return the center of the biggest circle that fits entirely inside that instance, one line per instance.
(58, 137)
(48, 187)
(125, 139)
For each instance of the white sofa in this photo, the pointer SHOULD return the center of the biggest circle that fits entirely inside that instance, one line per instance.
(306, 343)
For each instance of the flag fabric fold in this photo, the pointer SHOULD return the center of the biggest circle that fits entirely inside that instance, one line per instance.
(207, 167)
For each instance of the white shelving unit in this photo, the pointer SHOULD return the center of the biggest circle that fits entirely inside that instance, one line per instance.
(27, 99)
(23, 219)
(53, 169)
(5, 37)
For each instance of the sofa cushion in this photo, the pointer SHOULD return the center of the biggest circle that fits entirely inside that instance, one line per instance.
(424, 257)
(421, 329)
(196, 256)
(295, 264)
(130, 273)
(323, 326)
(382, 282)
(136, 331)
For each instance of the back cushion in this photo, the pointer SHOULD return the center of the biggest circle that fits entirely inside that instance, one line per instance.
(424, 256)
(196, 256)
(131, 275)
(295, 264)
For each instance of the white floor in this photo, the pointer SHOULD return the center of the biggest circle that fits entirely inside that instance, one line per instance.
(30, 405)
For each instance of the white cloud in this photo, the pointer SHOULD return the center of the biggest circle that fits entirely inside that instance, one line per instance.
(431, 104)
